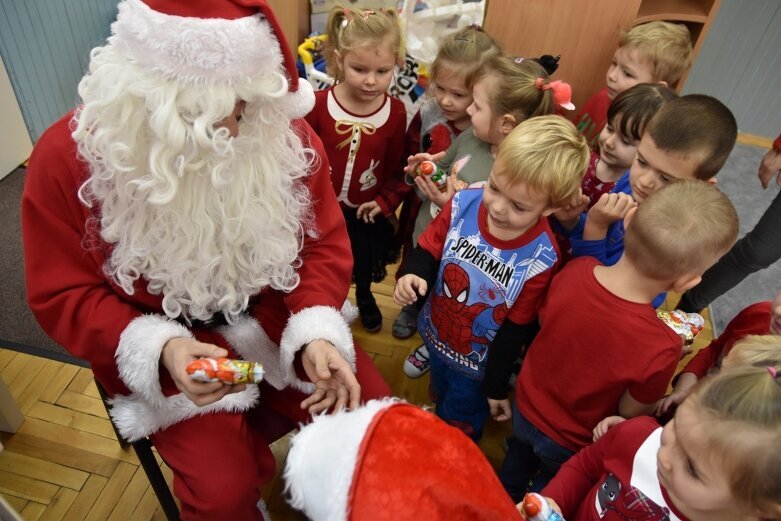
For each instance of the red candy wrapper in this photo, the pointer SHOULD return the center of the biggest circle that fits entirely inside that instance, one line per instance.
(688, 325)
(225, 370)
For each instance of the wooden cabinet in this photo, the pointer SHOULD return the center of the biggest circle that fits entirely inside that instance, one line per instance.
(293, 17)
(585, 32)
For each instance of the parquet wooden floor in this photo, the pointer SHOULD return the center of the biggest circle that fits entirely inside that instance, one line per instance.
(64, 463)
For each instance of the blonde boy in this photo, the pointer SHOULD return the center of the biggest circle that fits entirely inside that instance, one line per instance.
(488, 258)
(655, 52)
(601, 349)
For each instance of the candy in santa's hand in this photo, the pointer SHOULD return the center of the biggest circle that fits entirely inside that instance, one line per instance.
(225, 370)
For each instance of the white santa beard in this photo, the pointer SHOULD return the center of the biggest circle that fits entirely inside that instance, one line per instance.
(221, 228)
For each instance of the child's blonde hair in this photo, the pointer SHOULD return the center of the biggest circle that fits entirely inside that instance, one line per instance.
(637, 106)
(681, 230)
(741, 425)
(516, 90)
(349, 29)
(754, 349)
(465, 50)
(548, 154)
(667, 48)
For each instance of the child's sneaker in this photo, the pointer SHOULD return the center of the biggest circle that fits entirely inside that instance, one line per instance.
(371, 318)
(417, 363)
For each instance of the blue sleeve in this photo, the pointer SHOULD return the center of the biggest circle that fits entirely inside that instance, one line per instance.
(659, 300)
(607, 250)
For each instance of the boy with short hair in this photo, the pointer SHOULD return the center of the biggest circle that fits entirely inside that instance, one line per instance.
(654, 52)
(601, 349)
(489, 257)
(689, 138)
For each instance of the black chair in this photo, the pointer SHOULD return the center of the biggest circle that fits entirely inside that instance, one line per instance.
(146, 457)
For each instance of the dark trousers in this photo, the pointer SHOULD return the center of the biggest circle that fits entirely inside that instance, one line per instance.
(760, 248)
(532, 458)
(460, 400)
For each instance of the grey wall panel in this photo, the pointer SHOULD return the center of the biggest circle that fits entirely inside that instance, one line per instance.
(45, 46)
(740, 64)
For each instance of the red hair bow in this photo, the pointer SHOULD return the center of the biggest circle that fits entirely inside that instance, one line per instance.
(562, 92)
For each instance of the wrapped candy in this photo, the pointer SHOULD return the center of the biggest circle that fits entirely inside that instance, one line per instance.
(225, 370)
(537, 508)
(688, 325)
(438, 177)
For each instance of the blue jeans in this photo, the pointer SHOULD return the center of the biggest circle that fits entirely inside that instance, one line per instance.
(460, 400)
(532, 458)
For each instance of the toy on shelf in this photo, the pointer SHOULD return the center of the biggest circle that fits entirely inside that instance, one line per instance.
(225, 370)
(310, 53)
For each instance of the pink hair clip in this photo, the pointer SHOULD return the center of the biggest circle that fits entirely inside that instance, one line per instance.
(367, 13)
(773, 371)
(519, 60)
(562, 92)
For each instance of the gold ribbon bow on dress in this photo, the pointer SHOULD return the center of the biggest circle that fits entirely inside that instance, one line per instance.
(354, 129)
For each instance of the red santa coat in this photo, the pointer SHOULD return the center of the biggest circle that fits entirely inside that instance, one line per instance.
(122, 335)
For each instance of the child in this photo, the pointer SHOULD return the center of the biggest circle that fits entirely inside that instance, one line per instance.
(362, 129)
(437, 124)
(689, 138)
(655, 52)
(492, 255)
(760, 318)
(627, 117)
(718, 459)
(506, 92)
(601, 347)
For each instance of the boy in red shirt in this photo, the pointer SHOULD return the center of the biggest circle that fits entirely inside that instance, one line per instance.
(656, 52)
(601, 349)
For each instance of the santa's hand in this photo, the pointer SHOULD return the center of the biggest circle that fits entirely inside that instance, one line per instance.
(770, 167)
(408, 288)
(177, 353)
(368, 211)
(500, 409)
(333, 377)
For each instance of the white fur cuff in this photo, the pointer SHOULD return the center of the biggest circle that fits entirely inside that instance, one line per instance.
(138, 354)
(311, 324)
(135, 418)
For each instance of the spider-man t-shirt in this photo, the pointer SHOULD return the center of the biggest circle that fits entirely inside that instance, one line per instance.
(481, 281)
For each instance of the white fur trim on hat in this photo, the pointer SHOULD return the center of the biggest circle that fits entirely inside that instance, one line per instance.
(138, 354)
(136, 418)
(322, 460)
(310, 324)
(251, 342)
(300, 103)
(197, 50)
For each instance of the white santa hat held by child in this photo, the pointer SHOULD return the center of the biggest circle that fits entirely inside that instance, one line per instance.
(389, 460)
(208, 42)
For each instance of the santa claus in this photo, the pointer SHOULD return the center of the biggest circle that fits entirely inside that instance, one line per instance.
(183, 211)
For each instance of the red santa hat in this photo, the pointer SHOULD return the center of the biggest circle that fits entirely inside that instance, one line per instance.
(389, 460)
(209, 41)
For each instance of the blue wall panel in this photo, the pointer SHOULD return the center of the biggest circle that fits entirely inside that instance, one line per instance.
(45, 46)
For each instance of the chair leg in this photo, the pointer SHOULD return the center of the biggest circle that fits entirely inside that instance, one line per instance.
(143, 450)
(144, 453)
(104, 397)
